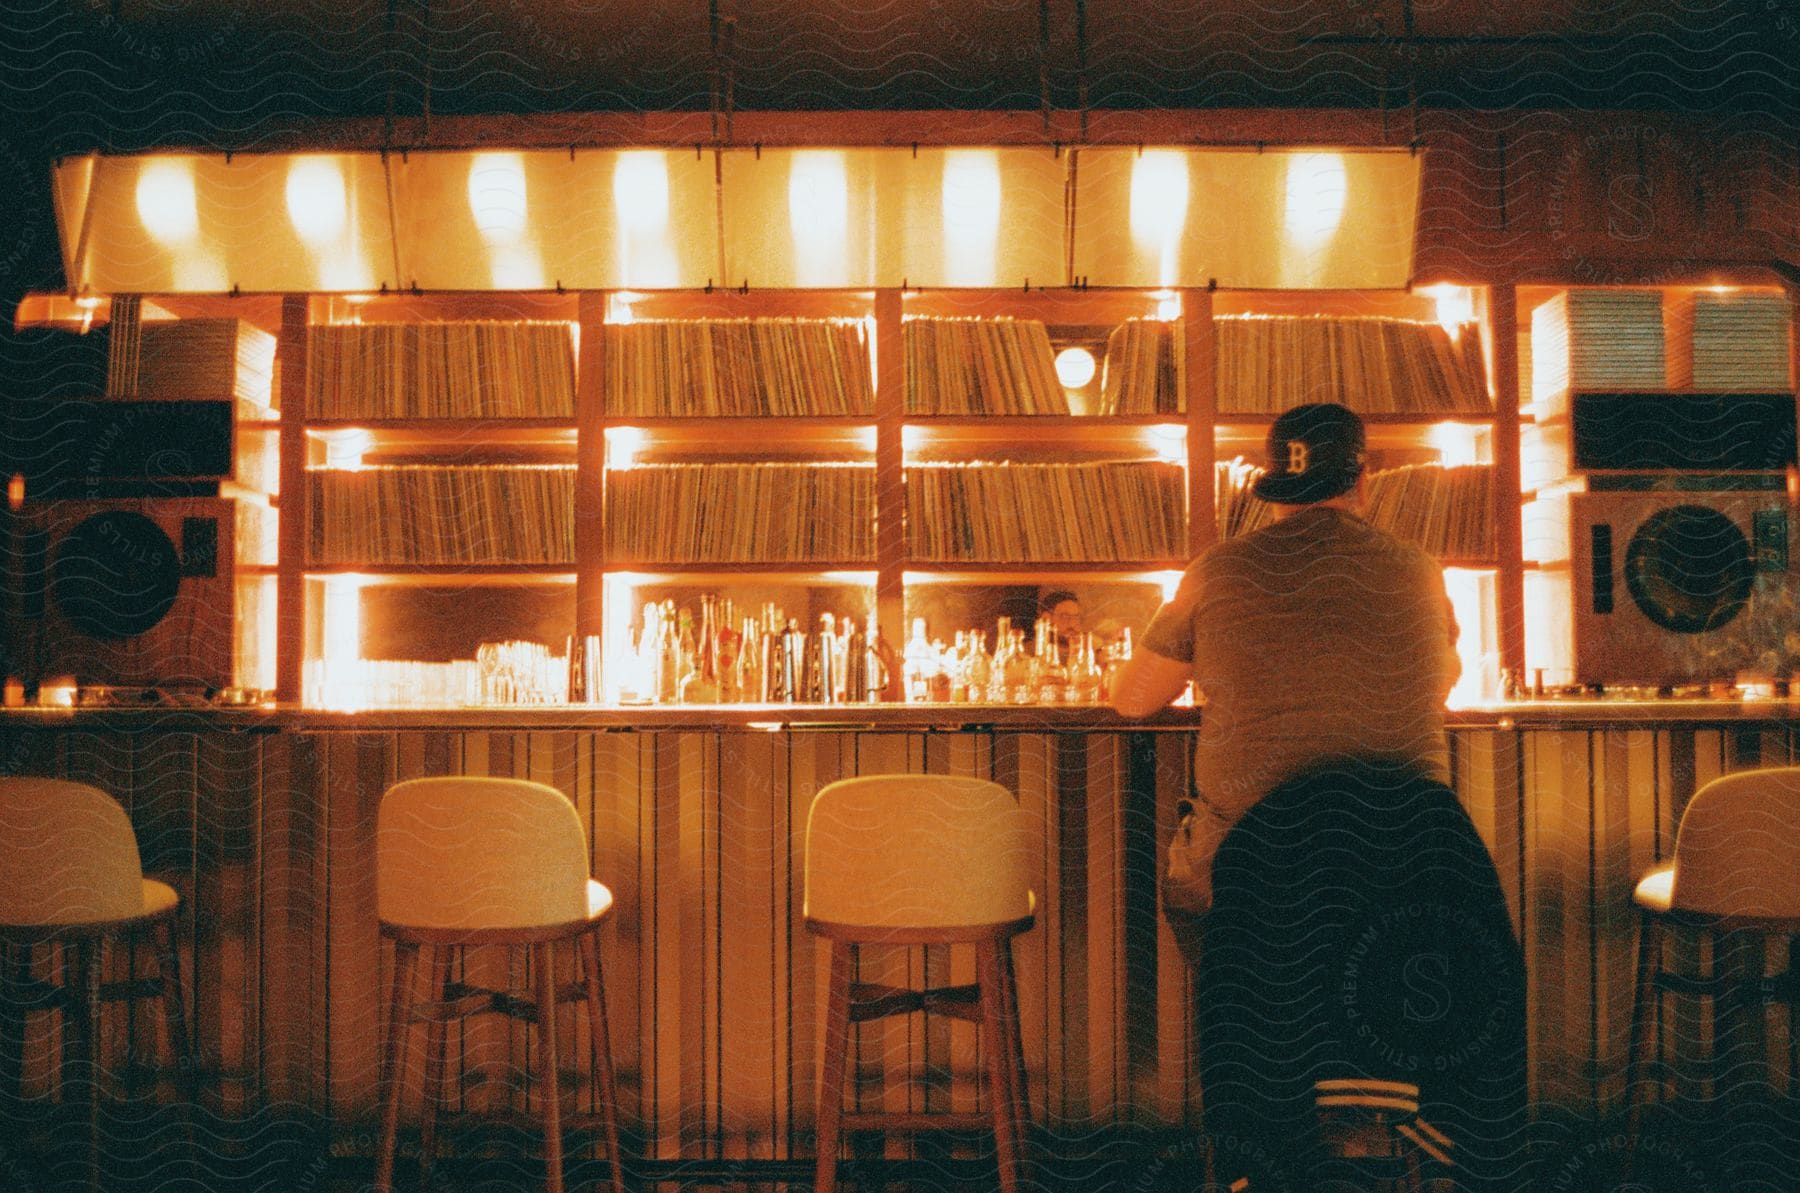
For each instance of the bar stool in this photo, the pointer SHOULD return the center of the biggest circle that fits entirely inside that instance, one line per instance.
(920, 859)
(463, 862)
(70, 875)
(1736, 868)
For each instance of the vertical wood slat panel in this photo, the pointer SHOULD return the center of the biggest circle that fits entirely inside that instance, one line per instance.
(279, 832)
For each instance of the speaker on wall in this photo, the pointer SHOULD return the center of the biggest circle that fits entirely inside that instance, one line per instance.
(126, 592)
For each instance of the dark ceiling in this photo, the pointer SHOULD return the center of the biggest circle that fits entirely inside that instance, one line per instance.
(132, 73)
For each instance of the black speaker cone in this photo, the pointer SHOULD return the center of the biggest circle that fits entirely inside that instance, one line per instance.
(116, 575)
(1689, 569)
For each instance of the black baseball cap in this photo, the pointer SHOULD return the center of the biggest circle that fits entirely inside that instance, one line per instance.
(1315, 453)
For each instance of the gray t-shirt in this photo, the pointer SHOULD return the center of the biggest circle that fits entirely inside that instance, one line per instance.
(1317, 638)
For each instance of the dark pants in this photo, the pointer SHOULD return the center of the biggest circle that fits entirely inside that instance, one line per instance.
(1358, 930)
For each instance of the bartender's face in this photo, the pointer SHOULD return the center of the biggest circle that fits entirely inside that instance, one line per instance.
(1066, 617)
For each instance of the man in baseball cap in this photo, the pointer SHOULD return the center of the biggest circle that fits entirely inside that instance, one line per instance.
(1316, 643)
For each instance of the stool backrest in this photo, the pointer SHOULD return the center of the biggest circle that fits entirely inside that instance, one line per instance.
(472, 853)
(67, 855)
(916, 851)
(1737, 852)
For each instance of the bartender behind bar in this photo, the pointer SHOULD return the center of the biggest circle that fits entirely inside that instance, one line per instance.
(1324, 649)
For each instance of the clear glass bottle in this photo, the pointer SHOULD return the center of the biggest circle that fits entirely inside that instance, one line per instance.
(1019, 669)
(916, 663)
(979, 668)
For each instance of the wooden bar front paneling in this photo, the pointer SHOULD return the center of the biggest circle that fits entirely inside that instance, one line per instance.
(712, 980)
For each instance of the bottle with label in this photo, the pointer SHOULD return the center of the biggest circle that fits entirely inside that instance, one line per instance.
(701, 685)
(916, 663)
(748, 668)
(1084, 674)
(1019, 670)
(979, 668)
(668, 658)
(877, 663)
(1052, 675)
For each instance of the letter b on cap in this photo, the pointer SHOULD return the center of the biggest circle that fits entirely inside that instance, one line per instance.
(1298, 456)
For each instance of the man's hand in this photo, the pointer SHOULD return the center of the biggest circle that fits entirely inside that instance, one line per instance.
(1147, 682)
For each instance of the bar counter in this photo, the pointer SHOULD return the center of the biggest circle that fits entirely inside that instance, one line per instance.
(263, 817)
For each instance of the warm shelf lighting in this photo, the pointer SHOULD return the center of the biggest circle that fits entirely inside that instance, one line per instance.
(1159, 204)
(1458, 445)
(640, 183)
(971, 209)
(623, 446)
(1168, 582)
(1317, 189)
(1075, 367)
(346, 446)
(1455, 306)
(1471, 594)
(497, 196)
(165, 200)
(1168, 306)
(15, 491)
(819, 215)
(316, 202)
(1168, 441)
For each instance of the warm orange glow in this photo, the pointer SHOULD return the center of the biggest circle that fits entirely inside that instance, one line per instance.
(1459, 445)
(1472, 598)
(165, 200)
(819, 216)
(497, 196)
(1317, 192)
(971, 212)
(1159, 206)
(623, 446)
(1455, 306)
(15, 491)
(1168, 582)
(640, 183)
(345, 447)
(1168, 441)
(316, 202)
(1168, 306)
(1075, 367)
(58, 692)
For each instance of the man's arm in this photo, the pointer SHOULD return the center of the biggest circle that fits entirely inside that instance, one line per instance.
(1147, 682)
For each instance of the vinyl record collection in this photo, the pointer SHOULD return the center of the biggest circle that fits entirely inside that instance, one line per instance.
(441, 370)
(1729, 342)
(1446, 511)
(1143, 373)
(1375, 366)
(741, 513)
(189, 358)
(1236, 509)
(1020, 513)
(1597, 340)
(739, 367)
(981, 366)
(428, 514)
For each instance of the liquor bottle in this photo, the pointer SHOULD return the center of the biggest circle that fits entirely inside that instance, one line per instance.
(701, 685)
(916, 663)
(1003, 645)
(980, 668)
(937, 674)
(877, 663)
(668, 659)
(830, 666)
(775, 668)
(854, 676)
(956, 665)
(749, 662)
(1018, 671)
(1084, 674)
(793, 661)
(1053, 676)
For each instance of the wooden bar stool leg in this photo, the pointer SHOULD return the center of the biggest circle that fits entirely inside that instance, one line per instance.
(550, 1094)
(1638, 1042)
(993, 1023)
(437, 1032)
(601, 1039)
(1016, 1046)
(16, 963)
(830, 1111)
(174, 1008)
(1793, 1002)
(406, 964)
(85, 1059)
